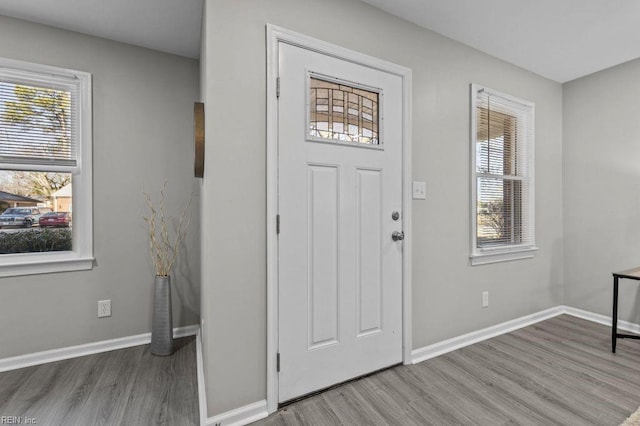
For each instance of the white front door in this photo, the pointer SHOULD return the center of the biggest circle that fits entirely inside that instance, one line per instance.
(339, 201)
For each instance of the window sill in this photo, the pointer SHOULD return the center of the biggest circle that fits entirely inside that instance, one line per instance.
(504, 255)
(43, 263)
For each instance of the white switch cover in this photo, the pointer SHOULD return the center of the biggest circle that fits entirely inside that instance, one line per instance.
(419, 190)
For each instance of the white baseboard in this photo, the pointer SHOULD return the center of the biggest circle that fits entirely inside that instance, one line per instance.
(202, 390)
(178, 332)
(601, 319)
(37, 358)
(589, 316)
(440, 348)
(241, 416)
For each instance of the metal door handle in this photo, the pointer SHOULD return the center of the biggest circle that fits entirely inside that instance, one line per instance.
(397, 236)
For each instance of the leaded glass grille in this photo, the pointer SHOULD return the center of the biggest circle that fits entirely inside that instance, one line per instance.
(343, 113)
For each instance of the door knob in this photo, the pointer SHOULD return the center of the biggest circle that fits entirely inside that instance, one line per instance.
(397, 236)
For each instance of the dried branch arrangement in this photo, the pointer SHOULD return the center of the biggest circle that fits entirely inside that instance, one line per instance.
(164, 251)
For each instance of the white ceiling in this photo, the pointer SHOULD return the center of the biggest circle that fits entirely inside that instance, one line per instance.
(168, 25)
(558, 39)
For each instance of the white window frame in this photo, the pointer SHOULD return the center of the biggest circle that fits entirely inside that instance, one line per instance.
(81, 255)
(506, 252)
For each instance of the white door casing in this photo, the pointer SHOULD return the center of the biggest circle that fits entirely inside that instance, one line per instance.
(338, 285)
(340, 273)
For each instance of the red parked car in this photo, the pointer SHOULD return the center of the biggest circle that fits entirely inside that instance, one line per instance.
(55, 219)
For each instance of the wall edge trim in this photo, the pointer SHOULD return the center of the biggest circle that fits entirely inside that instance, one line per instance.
(241, 416)
(449, 345)
(602, 319)
(202, 389)
(43, 357)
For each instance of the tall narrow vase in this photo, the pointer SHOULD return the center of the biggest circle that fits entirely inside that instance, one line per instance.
(162, 327)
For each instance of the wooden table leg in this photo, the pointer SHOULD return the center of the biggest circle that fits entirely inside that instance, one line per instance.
(614, 319)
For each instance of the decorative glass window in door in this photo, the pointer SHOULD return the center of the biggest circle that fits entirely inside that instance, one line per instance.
(343, 113)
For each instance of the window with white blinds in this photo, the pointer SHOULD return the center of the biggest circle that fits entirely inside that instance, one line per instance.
(45, 169)
(39, 115)
(502, 141)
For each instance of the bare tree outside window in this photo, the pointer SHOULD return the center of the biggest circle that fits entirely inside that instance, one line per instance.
(37, 113)
(35, 127)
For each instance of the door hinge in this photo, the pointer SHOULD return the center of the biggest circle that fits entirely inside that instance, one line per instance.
(278, 362)
(277, 224)
(278, 87)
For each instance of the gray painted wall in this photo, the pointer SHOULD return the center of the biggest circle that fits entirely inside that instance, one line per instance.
(446, 290)
(602, 188)
(143, 121)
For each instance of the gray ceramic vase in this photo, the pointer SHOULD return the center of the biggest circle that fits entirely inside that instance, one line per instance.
(162, 326)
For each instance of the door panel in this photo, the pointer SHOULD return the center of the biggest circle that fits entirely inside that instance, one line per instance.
(369, 251)
(323, 255)
(339, 272)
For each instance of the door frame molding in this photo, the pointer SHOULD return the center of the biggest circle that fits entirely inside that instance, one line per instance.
(274, 36)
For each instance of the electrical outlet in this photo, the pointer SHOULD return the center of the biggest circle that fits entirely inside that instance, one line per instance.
(419, 190)
(485, 299)
(104, 308)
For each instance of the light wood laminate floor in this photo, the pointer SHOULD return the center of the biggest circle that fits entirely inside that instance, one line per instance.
(124, 387)
(557, 372)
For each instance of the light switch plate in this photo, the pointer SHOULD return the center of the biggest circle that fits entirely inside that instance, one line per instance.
(419, 190)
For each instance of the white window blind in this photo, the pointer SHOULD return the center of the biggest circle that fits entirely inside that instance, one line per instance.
(38, 120)
(502, 172)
